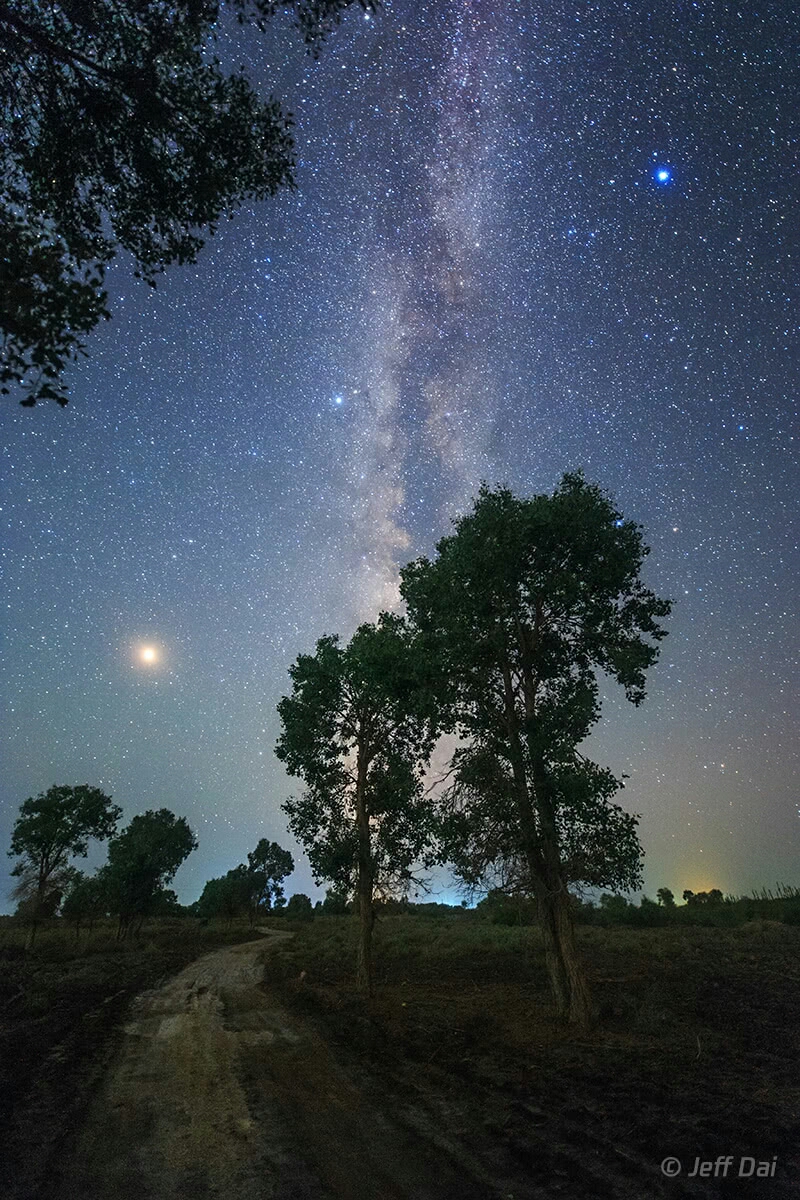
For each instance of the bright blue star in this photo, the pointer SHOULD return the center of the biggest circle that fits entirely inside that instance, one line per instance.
(662, 175)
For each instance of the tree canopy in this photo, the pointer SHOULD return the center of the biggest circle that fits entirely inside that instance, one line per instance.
(228, 896)
(121, 131)
(53, 828)
(522, 608)
(267, 867)
(142, 860)
(248, 889)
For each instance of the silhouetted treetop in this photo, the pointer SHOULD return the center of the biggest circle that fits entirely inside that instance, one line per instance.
(121, 130)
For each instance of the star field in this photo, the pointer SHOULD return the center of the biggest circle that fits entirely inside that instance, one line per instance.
(525, 239)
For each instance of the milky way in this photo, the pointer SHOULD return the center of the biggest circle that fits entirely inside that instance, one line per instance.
(525, 239)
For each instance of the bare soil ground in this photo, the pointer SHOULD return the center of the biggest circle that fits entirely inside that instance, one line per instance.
(257, 1072)
(218, 1089)
(62, 1007)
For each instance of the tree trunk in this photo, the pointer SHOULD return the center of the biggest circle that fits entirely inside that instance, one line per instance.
(365, 880)
(366, 921)
(567, 979)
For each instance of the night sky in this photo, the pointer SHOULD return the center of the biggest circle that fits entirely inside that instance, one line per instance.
(526, 238)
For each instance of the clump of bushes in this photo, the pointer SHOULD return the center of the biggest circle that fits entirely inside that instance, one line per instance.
(504, 908)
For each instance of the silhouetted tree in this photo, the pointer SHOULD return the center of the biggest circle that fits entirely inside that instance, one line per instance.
(665, 897)
(85, 900)
(267, 867)
(335, 903)
(523, 605)
(299, 908)
(121, 130)
(142, 860)
(228, 896)
(52, 828)
(712, 897)
(357, 729)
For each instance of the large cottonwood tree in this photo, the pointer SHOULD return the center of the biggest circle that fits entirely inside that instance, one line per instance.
(523, 607)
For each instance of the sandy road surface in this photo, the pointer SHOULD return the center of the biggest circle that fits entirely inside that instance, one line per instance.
(217, 1091)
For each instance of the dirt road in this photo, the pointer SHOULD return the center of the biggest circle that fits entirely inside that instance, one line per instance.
(217, 1090)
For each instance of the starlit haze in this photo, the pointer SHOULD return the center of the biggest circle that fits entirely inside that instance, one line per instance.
(527, 237)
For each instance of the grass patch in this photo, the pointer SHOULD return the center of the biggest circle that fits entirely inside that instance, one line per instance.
(707, 1014)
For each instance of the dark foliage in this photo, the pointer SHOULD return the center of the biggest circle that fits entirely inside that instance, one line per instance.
(120, 131)
(142, 860)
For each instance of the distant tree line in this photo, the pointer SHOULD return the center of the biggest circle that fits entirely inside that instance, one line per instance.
(254, 890)
(56, 826)
(710, 908)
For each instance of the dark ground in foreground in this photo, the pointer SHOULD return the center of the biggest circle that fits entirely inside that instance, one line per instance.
(457, 1061)
(62, 1005)
(695, 1056)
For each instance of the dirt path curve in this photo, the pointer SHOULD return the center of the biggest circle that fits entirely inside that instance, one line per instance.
(217, 1090)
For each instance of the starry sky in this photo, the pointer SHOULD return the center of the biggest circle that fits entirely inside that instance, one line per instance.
(528, 236)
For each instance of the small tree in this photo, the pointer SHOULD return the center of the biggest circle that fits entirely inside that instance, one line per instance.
(227, 897)
(524, 604)
(665, 898)
(267, 867)
(299, 908)
(142, 860)
(86, 900)
(358, 728)
(52, 828)
(335, 903)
